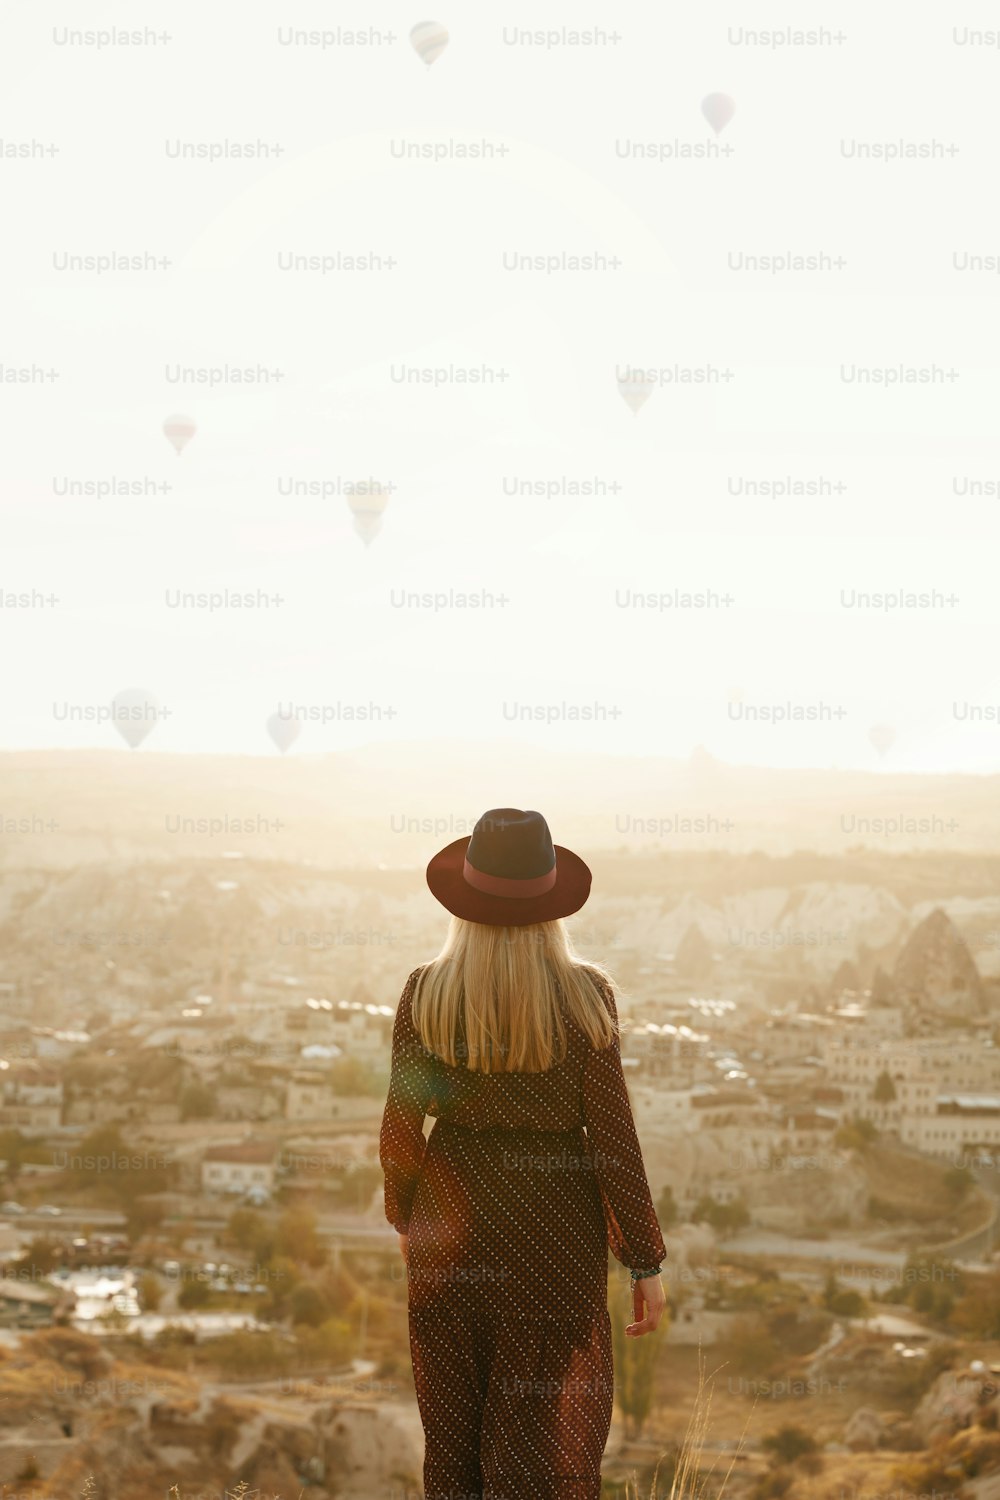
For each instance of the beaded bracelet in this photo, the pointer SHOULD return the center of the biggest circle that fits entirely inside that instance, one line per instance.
(642, 1275)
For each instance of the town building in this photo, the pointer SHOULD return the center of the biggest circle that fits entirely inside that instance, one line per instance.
(242, 1167)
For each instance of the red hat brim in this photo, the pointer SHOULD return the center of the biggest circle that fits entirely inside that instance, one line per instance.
(449, 886)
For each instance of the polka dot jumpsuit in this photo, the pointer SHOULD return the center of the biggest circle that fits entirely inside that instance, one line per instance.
(510, 1206)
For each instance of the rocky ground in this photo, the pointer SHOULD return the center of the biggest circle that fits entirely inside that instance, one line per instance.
(74, 1420)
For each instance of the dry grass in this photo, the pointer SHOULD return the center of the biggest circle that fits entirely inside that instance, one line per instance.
(692, 1481)
(241, 1492)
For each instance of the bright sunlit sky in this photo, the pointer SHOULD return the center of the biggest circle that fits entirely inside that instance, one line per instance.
(564, 563)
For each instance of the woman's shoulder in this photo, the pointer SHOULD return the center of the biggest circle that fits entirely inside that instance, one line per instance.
(412, 978)
(403, 1009)
(601, 982)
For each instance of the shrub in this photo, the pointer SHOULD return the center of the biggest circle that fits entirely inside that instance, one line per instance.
(150, 1292)
(76, 1351)
(843, 1304)
(308, 1305)
(772, 1487)
(788, 1444)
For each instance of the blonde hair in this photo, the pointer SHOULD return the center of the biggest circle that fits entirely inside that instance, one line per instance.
(490, 999)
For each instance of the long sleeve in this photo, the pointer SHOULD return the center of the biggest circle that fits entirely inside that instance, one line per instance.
(634, 1236)
(401, 1139)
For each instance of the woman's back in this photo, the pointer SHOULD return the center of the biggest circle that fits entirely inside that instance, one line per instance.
(544, 1100)
(525, 1181)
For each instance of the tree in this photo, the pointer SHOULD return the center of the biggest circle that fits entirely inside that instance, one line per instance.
(297, 1238)
(105, 1161)
(941, 1308)
(333, 1342)
(308, 1305)
(40, 1257)
(250, 1231)
(258, 1353)
(843, 1304)
(338, 1287)
(150, 1292)
(922, 1298)
(725, 1218)
(884, 1091)
(141, 1216)
(281, 1275)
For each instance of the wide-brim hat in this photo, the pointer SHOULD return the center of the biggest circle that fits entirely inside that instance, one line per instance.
(509, 873)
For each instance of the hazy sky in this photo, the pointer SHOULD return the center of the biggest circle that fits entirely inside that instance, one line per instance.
(896, 466)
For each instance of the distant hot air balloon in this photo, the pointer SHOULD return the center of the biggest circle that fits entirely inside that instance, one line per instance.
(179, 431)
(429, 39)
(635, 390)
(718, 110)
(367, 510)
(284, 730)
(134, 715)
(882, 737)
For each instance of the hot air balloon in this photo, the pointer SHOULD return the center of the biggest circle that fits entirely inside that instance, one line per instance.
(134, 715)
(429, 39)
(367, 511)
(635, 390)
(718, 110)
(284, 730)
(179, 431)
(882, 737)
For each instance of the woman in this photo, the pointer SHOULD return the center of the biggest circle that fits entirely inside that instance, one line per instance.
(531, 1171)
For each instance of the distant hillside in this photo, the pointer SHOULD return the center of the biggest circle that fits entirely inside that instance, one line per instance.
(392, 805)
(177, 921)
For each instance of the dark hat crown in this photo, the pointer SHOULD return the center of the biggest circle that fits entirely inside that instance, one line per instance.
(512, 844)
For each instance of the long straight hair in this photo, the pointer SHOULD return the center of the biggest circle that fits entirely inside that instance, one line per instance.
(490, 1000)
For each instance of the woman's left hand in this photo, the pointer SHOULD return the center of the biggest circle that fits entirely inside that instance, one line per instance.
(647, 1297)
(404, 1245)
